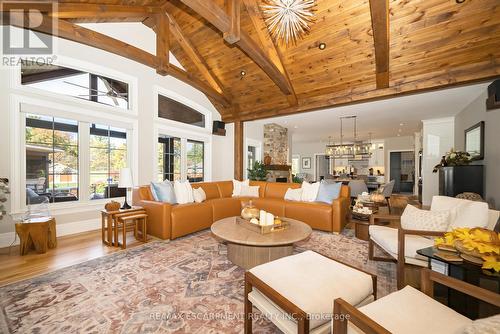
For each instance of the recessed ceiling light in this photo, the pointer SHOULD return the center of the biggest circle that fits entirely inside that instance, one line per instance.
(295, 126)
(459, 1)
(322, 46)
(243, 73)
(399, 135)
(401, 124)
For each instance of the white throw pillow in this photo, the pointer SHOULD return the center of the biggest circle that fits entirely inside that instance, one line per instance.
(488, 325)
(183, 192)
(237, 187)
(250, 191)
(293, 194)
(309, 191)
(423, 220)
(199, 195)
(463, 213)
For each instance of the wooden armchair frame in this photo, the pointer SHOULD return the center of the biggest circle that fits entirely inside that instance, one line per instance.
(344, 312)
(292, 310)
(402, 233)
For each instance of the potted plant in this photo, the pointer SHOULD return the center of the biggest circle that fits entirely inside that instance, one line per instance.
(258, 172)
(453, 158)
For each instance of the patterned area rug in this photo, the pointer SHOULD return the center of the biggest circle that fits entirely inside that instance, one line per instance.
(183, 286)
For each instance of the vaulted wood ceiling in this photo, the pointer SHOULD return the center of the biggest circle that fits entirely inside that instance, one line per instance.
(428, 44)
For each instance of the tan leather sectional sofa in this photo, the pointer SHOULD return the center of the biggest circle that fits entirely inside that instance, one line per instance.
(167, 221)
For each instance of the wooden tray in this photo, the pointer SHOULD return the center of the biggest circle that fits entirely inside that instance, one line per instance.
(263, 229)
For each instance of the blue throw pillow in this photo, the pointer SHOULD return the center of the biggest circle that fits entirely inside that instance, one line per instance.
(163, 192)
(328, 192)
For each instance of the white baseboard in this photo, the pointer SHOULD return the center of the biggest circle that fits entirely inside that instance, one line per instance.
(6, 239)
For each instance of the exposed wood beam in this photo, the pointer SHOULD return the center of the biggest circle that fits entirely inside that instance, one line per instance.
(379, 10)
(350, 97)
(268, 45)
(194, 55)
(85, 11)
(216, 16)
(162, 43)
(238, 149)
(234, 11)
(97, 40)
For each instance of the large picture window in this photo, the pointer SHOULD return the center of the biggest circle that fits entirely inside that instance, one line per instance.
(108, 154)
(51, 159)
(195, 161)
(169, 158)
(75, 83)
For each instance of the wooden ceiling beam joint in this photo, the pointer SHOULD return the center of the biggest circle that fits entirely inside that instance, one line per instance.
(233, 9)
(162, 43)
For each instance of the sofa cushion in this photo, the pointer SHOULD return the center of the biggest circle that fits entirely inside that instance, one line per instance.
(163, 192)
(262, 186)
(424, 220)
(210, 188)
(272, 205)
(225, 188)
(410, 311)
(318, 215)
(298, 277)
(463, 213)
(199, 195)
(190, 218)
(293, 194)
(387, 238)
(328, 192)
(225, 207)
(278, 189)
(309, 191)
(238, 185)
(250, 191)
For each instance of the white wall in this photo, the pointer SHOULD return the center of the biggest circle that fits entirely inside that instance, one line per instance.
(146, 83)
(223, 149)
(438, 136)
(471, 115)
(308, 150)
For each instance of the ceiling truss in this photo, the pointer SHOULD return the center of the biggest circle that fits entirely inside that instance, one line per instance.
(256, 45)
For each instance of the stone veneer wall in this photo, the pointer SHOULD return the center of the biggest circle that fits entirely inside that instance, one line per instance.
(276, 143)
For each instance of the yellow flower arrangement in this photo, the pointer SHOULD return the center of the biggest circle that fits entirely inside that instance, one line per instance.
(478, 242)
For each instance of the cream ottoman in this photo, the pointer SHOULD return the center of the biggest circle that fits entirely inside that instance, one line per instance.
(297, 292)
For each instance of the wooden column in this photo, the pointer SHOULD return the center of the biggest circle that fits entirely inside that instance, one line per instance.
(238, 150)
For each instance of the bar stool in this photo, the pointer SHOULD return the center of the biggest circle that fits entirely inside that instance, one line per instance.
(131, 222)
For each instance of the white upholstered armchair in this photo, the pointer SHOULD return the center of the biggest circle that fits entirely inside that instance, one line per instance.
(402, 243)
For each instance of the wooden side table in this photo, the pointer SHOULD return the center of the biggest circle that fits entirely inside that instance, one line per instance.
(128, 222)
(108, 223)
(38, 234)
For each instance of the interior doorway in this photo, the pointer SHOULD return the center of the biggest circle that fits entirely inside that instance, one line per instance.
(402, 171)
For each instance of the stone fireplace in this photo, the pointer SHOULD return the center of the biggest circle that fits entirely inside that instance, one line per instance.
(276, 147)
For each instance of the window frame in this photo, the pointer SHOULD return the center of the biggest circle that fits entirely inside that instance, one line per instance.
(79, 65)
(22, 105)
(203, 157)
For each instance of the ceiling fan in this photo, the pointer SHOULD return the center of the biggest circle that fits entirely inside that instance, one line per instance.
(111, 93)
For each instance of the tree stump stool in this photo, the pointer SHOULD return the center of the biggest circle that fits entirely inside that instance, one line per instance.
(38, 234)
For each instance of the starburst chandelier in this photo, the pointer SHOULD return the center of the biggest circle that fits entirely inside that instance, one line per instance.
(288, 20)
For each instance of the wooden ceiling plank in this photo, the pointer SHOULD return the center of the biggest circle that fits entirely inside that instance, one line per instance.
(216, 16)
(234, 11)
(252, 7)
(162, 43)
(379, 10)
(76, 33)
(194, 55)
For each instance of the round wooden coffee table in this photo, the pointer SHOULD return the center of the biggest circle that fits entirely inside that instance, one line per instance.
(248, 249)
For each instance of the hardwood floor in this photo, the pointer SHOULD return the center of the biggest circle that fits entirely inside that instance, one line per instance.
(71, 249)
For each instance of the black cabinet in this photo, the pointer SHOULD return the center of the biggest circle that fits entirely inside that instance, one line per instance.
(458, 179)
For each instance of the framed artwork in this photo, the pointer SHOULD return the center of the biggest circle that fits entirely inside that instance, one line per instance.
(474, 141)
(306, 163)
